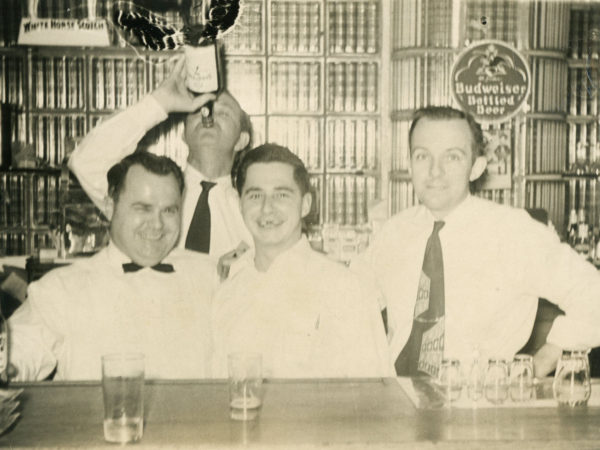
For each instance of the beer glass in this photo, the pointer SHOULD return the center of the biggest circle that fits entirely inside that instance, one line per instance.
(521, 378)
(450, 379)
(572, 384)
(496, 381)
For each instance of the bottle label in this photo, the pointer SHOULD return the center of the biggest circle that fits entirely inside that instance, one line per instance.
(201, 69)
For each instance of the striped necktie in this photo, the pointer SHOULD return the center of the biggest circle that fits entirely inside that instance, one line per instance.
(424, 349)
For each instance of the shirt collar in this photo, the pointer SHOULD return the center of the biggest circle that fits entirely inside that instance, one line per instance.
(463, 211)
(194, 177)
(293, 257)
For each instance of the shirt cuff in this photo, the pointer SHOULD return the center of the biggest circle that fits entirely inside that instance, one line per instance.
(570, 333)
(148, 111)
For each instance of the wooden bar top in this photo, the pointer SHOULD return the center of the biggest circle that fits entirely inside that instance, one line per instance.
(296, 414)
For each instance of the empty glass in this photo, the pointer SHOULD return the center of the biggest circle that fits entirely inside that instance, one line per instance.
(450, 379)
(571, 384)
(496, 381)
(521, 378)
(475, 380)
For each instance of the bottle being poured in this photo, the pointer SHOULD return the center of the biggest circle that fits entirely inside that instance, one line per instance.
(204, 22)
(202, 55)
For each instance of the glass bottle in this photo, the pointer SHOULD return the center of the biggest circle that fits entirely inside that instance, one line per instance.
(202, 57)
(496, 381)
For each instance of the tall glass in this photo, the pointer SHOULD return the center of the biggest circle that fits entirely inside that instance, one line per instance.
(496, 381)
(123, 392)
(572, 384)
(521, 378)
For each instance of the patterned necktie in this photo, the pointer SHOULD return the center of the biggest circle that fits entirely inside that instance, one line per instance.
(198, 237)
(424, 349)
(161, 267)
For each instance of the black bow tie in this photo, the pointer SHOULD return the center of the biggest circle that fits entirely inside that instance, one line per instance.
(161, 267)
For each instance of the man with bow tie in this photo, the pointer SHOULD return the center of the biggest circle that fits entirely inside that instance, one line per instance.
(139, 294)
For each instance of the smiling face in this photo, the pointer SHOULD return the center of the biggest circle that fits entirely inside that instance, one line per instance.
(146, 216)
(273, 205)
(224, 137)
(442, 163)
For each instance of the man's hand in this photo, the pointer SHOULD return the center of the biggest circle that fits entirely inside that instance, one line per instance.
(229, 258)
(545, 360)
(174, 96)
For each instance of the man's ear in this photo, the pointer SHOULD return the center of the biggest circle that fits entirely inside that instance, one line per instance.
(478, 167)
(242, 142)
(109, 207)
(306, 204)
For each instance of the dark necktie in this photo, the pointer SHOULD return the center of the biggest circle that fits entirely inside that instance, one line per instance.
(198, 237)
(161, 267)
(424, 349)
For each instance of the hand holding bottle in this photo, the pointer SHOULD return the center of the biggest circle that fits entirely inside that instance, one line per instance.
(174, 96)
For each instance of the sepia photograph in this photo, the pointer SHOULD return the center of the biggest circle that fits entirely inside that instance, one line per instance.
(300, 224)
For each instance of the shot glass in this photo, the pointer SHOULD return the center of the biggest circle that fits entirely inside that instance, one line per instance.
(245, 385)
(521, 378)
(450, 379)
(496, 381)
(123, 392)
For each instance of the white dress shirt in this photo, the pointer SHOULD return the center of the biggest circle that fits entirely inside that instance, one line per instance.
(497, 262)
(118, 136)
(77, 313)
(306, 315)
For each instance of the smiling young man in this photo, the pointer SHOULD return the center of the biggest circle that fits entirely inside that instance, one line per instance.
(460, 275)
(308, 316)
(211, 221)
(137, 295)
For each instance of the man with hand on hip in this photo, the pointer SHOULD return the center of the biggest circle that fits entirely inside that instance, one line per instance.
(461, 276)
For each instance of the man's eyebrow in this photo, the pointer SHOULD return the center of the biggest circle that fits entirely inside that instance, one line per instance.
(284, 188)
(252, 189)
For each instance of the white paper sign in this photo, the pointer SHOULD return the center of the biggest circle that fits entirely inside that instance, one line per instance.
(67, 32)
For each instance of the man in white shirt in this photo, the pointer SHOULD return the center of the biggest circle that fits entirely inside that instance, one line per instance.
(209, 162)
(138, 294)
(496, 262)
(308, 316)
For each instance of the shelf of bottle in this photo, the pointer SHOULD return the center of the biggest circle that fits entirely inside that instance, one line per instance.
(401, 53)
(581, 119)
(581, 176)
(560, 116)
(57, 111)
(399, 175)
(350, 171)
(583, 63)
(546, 53)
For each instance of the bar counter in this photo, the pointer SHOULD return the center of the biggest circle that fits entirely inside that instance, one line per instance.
(296, 414)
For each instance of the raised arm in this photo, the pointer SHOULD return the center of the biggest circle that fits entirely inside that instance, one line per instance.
(118, 136)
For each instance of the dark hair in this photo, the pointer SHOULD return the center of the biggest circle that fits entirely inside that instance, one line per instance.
(158, 165)
(449, 113)
(268, 153)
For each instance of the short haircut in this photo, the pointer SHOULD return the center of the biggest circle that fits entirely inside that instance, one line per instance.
(449, 113)
(158, 165)
(268, 153)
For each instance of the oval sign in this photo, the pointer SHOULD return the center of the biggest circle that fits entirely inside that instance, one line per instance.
(490, 80)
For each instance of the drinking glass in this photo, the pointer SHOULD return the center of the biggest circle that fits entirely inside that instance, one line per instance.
(475, 380)
(245, 385)
(450, 379)
(571, 384)
(123, 392)
(521, 378)
(496, 381)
